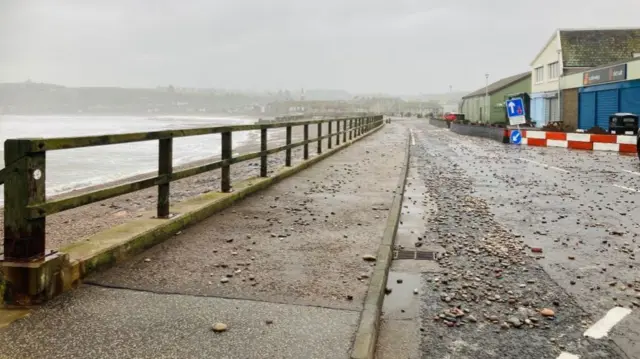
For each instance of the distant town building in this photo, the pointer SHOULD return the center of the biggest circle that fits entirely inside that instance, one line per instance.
(486, 104)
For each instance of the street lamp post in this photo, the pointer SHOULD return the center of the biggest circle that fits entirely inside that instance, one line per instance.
(486, 97)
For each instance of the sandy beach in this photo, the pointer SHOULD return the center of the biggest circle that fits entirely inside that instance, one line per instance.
(78, 223)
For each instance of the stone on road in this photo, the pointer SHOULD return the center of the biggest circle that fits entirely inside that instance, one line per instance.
(528, 257)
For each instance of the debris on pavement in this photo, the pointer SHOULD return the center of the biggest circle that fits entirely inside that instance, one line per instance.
(547, 312)
(489, 278)
(219, 327)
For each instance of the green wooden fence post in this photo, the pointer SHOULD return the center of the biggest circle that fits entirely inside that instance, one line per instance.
(225, 185)
(263, 149)
(165, 167)
(287, 158)
(24, 236)
(319, 138)
(306, 145)
(344, 130)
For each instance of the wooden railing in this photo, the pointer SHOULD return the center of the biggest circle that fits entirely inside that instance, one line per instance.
(26, 206)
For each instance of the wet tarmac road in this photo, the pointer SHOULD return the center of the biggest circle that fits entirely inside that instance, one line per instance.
(489, 209)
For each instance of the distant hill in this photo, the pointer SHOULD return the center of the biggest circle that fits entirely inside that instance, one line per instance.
(42, 98)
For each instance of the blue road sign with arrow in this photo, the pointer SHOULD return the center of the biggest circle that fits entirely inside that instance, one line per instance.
(516, 137)
(515, 111)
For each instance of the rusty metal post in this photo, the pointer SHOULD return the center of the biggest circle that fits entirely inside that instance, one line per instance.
(320, 138)
(225, 184)
(306, 145)
(338, 133)
(329, 138)
(24, 237)
(263, 149)
(165, 167)
(287, 158)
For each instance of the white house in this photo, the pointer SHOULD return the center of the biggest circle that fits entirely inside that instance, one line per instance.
(574, 50)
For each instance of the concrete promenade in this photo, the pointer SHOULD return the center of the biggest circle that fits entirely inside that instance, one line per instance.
(283, 270)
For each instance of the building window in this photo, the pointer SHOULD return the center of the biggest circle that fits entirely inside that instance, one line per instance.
(553, 70)
(539, 74)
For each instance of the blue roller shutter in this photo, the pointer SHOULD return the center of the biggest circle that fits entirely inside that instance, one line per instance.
(587, 110)
(607, 104)
(630, 100)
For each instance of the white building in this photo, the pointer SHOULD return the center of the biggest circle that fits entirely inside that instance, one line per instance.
(574, 50)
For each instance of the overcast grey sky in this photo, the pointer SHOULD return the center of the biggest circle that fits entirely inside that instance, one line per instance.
(392, 46)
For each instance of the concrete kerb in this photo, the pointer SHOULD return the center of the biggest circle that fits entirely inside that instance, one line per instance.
(364, 344)
(116, 244)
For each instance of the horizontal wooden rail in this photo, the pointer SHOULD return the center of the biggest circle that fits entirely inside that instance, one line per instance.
(62, 143)
(51, 207)
(26, 206)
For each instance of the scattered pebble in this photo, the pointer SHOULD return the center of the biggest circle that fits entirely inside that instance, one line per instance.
(547, 312)
(219, 327)
(515, 322)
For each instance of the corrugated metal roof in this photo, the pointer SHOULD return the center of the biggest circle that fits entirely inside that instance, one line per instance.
(499, 85)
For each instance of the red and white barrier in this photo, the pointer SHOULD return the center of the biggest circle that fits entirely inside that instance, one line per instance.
(580, 141)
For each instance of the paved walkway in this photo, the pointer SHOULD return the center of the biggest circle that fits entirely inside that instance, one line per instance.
(282, 269)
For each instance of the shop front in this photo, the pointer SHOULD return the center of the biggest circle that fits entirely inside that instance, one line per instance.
(602, 92)
(607, 91)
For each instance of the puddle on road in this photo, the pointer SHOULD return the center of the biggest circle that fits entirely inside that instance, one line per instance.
(402, 302)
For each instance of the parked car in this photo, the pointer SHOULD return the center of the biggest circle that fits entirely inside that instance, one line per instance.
(453, 116)
(623, 123)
